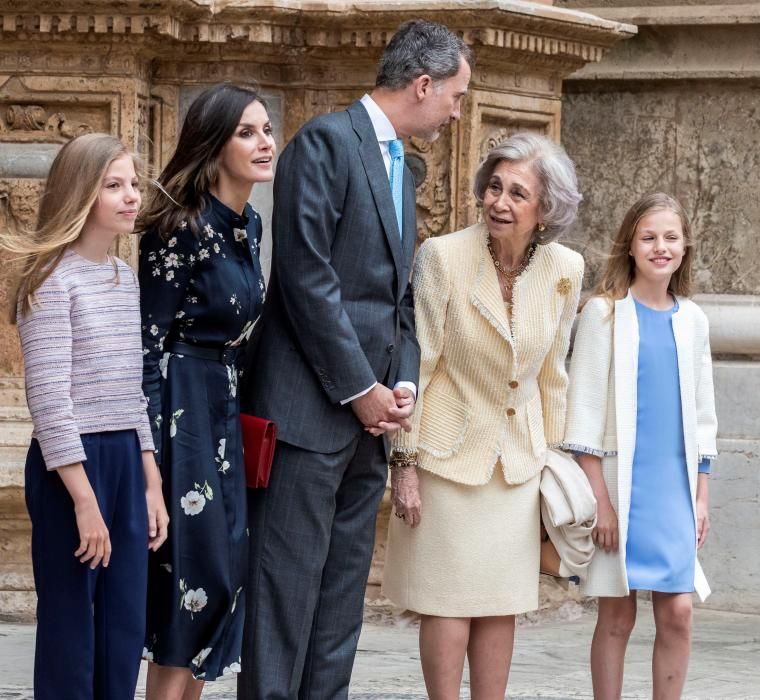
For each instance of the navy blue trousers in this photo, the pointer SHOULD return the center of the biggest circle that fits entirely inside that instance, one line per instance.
(90, 624)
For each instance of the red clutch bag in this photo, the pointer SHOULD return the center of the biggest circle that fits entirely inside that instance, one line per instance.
(259, 439)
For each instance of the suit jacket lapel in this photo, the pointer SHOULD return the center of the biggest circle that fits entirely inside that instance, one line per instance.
(410, 228)
(486, 295)
(377, 177)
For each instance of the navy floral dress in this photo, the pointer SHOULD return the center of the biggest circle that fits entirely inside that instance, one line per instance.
(202, 290)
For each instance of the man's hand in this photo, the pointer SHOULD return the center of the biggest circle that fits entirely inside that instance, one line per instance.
(375, 406)
(399, 415)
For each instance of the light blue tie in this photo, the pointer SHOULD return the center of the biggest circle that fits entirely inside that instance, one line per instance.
(396, 149)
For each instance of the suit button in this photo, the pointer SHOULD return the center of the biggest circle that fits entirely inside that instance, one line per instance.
(391, 347)
(511, 412)
(514, 384)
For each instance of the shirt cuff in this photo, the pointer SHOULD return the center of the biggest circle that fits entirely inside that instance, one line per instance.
(356, 396)
(407, 385)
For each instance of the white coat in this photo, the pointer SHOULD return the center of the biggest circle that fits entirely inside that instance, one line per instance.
(601, 413)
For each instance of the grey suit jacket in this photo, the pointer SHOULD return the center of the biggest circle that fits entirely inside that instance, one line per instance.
(339, 312)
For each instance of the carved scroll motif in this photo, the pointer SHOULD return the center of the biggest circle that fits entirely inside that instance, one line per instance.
(496, 137)
(33, 123)
(431, 165)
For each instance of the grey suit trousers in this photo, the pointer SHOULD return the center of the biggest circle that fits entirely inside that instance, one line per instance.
(312, 533)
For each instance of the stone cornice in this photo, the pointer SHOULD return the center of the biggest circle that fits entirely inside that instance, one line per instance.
(682, 15)
(287, 25)
(673, 51)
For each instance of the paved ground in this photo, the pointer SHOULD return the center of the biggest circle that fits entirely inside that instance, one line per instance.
(550, 661)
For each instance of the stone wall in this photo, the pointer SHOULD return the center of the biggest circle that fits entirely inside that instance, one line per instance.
(699, 143)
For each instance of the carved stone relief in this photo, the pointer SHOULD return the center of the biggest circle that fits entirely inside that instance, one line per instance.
(498, 130)
(34, 123)
(18, 211)
(433, 163)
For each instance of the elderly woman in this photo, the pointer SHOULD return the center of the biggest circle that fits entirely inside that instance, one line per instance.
(494, 307)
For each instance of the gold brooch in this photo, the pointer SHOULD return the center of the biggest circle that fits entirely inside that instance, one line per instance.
(564, 286)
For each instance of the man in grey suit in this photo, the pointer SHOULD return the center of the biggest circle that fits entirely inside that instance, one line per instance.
(337, 364)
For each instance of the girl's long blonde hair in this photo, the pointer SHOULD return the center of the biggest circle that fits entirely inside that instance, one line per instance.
(72, 188)
(621, 268)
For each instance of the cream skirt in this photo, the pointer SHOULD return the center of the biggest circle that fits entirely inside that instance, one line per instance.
(475, 553)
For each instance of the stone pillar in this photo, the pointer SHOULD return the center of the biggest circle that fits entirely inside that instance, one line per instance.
(131, 69)
(675, 109)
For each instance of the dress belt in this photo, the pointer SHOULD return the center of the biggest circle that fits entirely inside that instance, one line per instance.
(224, 354)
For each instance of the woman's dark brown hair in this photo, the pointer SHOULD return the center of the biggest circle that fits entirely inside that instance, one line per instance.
(183, 186)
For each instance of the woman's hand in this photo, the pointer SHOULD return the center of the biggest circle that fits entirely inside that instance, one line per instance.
(94, 540)
(605, 534)
(703, 523)
(158, 518)
(703, 508)
(405, 494)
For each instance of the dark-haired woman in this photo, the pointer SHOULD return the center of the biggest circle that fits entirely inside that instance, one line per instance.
(201, 293)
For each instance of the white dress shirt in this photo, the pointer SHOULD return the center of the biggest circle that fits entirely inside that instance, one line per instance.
(384, 132)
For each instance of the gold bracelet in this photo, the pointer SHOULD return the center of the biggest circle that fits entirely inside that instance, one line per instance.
(403, 459)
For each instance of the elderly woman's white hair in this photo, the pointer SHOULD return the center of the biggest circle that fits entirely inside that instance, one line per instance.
(555, 171)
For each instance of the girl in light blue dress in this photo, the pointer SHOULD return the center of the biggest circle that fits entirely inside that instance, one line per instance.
(641, 416)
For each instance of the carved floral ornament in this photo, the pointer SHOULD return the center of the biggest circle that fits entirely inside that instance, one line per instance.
(35, 123)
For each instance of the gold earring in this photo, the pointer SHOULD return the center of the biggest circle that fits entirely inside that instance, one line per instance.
(542, 227)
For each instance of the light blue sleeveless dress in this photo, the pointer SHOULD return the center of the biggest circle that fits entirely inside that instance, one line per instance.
(661, 544)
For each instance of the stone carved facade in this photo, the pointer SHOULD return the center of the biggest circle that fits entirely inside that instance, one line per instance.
(130, 69)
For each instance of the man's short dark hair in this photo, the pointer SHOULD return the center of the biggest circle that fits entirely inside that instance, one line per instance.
(420, 48)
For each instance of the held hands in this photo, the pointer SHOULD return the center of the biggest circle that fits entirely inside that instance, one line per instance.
(605, 534)
(405, 495)
(384, 411)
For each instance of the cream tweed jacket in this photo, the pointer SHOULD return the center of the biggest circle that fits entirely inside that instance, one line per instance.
(490, 390)
(602, 413)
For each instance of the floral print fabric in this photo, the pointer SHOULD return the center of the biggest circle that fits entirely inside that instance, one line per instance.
(203, 289)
